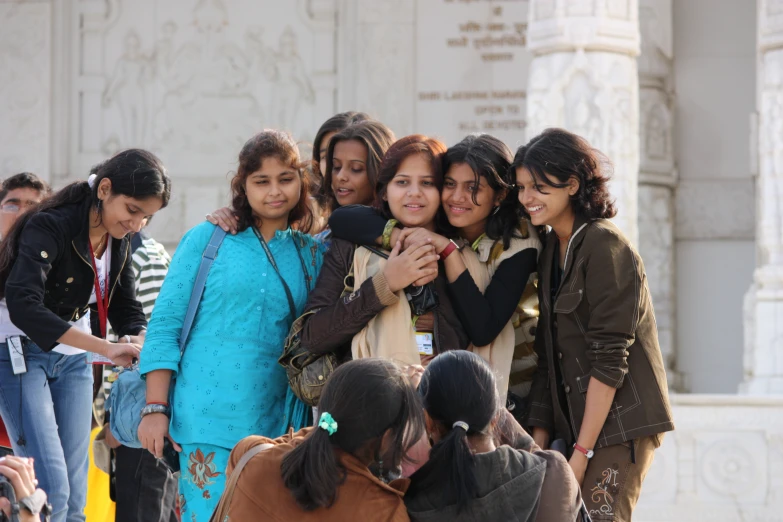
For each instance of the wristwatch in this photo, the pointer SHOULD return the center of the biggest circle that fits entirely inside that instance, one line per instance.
(156, 408)
(587, 453)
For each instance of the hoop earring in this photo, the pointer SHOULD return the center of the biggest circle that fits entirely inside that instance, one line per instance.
(497, 208)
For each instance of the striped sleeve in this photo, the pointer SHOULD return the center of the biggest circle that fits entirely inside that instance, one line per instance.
(151, 264)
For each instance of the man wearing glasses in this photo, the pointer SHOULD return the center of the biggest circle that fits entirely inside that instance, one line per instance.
(18, 194)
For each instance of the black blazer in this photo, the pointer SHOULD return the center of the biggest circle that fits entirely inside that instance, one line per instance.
(52, 278)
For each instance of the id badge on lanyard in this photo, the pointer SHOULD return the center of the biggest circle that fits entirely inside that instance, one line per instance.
(424, 342)
(102, 301)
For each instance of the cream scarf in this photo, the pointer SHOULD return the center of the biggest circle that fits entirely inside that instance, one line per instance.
(391, 335)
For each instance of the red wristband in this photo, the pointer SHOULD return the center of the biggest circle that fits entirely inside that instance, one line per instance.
(587, 453)
(448, 250)
(159, 403)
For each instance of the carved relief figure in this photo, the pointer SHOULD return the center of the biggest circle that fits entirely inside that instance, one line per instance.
(290, 84)
(207, 101)
(211, 16)
(128, 87)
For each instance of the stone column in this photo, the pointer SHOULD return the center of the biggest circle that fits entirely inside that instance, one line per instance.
(657, 174)
(764, 301)
(584, 78)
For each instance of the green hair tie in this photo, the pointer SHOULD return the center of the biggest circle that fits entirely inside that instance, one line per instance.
(327, 423)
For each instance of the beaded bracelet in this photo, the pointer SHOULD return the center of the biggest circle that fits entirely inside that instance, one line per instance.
(387, 232)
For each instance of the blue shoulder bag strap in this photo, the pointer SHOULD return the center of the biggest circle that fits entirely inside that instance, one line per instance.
(198, 287)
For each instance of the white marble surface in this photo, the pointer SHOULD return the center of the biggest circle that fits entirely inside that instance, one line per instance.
(764, 301)
(25, 86)
(584, 78)
(657, 173)
(724, 462)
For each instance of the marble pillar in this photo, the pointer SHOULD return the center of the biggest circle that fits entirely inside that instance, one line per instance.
(657, 173)
(584, 77)
(763, 360)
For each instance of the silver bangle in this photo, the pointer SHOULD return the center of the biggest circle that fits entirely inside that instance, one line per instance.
(156, 408)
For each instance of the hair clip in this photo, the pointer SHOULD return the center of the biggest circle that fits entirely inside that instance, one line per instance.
(327, 423)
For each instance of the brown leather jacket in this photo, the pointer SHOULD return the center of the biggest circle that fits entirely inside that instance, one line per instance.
(600, 324)
(260, 494)
(339, 319)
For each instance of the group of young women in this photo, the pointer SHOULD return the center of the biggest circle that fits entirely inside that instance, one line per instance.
(427, 254)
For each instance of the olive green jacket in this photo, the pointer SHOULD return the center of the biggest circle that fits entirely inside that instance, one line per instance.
(599, 324)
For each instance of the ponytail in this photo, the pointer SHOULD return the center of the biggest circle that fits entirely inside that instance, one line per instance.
(459, 395)
(363, 402)
(454, 466)
(312, 473)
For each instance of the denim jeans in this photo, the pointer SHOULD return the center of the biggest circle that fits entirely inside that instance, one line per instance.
(49, 406)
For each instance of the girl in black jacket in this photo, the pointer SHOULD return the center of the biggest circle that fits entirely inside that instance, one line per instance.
(72, 250)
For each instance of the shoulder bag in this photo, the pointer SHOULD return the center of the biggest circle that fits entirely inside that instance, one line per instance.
(129, 392)
(221, 510)
(308, 372)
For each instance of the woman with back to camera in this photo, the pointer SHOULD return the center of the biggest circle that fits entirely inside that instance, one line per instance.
(72, 250)
(482, 210)
(469, 477)
(337, 470)
(229, 384)
(600, 383)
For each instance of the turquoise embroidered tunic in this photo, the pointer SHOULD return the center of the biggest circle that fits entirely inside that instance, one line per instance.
(228, 383)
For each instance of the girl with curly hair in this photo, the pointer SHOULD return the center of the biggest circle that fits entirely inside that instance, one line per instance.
(229, 384)
(600, 383)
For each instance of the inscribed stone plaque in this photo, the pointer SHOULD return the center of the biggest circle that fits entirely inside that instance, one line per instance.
(471, 68)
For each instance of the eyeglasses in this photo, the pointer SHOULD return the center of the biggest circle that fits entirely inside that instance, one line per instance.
(14, 207)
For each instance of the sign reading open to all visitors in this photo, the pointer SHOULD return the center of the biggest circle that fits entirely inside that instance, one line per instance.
(471, 68)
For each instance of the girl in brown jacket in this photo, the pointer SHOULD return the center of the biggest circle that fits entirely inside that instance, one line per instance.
(338, 470)
(600, 383)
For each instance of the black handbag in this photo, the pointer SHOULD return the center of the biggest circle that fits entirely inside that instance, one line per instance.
(422, 299)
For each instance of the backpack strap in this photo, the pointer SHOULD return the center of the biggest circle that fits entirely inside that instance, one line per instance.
(210, 252)
(221, 511)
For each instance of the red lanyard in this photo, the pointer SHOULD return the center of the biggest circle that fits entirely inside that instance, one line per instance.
(101, 298)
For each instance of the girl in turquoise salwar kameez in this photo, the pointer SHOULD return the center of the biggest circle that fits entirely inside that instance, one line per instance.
(228, 382)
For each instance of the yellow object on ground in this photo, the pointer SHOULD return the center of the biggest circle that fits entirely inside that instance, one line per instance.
(100, 507)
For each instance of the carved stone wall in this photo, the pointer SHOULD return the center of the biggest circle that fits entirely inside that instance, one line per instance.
(657, 174)
(376, 61)
(25, 87)
(192, 80)
(584, 78)
(764, 302)
(724, 462)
